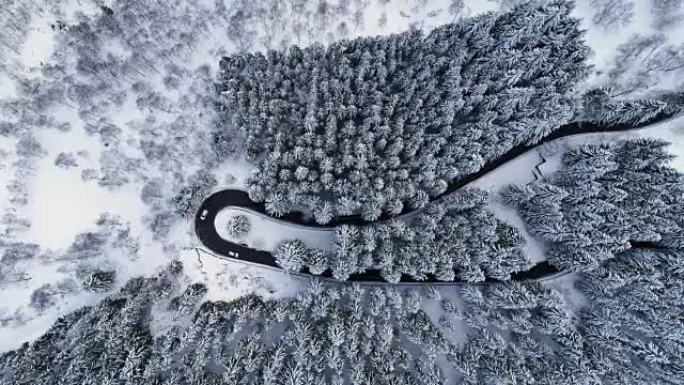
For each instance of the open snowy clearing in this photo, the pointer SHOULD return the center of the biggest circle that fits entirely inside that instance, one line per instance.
(267, 232)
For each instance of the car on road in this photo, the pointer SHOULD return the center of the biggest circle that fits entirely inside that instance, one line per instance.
(204, 214)
(233, 254)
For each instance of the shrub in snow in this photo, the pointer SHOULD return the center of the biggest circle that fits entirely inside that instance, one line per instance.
(612, 13)
(15, 251)
(667, 12)
(188, 198)
(66, 160)
(46, 295)
(99, 280)
(238, 226)
(29, 147)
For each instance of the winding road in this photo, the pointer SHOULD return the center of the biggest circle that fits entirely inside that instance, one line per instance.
(206, 215)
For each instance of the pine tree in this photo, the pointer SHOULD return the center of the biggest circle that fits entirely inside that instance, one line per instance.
(290, 255)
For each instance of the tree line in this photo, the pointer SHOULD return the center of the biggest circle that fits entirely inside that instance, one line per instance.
(627, 329)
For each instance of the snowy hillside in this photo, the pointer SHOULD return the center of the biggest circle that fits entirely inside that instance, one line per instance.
(108, 121)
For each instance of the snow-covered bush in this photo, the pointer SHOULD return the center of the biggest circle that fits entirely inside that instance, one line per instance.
(667, 12)
(188, 199)
(612, 13)
(66, 160)
(238, 226)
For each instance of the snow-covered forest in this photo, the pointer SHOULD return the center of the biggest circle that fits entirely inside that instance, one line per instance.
(455, 237)
(603, 200)
(119, 117)
(152, 332)
(373, 124)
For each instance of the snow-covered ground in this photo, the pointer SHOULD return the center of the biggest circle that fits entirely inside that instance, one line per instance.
(62, 204)
(267, 232)
(606, 41)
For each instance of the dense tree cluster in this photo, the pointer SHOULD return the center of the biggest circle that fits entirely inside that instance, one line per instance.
(626, 330)
(456, 237)
(325, 335)
(373, 124)
(604, 197)
(634, 318)
(521, 334)
(517, 307)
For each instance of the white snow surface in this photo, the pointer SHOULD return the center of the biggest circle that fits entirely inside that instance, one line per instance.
(39, 43)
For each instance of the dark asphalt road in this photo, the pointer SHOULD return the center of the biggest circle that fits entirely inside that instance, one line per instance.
(206, 232)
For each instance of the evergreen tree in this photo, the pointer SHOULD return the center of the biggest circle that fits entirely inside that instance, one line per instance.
(238, 226)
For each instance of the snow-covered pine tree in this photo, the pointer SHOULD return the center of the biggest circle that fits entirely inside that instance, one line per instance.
(238, 226)
(603, 199)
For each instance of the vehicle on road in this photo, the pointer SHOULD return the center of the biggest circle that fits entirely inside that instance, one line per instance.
(204, 214)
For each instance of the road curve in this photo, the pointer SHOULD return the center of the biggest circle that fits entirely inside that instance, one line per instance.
(207, 234)
(565, 131)
(212, 205)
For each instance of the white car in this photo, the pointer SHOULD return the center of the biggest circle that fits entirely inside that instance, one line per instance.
(204, 214)
(233, 254)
